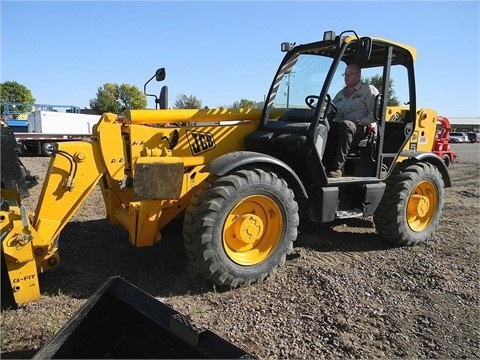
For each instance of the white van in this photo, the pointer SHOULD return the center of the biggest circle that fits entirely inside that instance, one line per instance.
(458, 137)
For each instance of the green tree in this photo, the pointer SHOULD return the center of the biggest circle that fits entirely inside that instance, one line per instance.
(376, 80)
(115, 98)
(187, 102)
(131, 97)
(244, 104)
(12, 91)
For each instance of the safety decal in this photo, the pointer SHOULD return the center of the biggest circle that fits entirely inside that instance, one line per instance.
(414, 137)
(25, 278)
(422, 140)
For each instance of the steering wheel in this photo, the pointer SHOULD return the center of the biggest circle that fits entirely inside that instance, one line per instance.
(310, 100)
(332, 108)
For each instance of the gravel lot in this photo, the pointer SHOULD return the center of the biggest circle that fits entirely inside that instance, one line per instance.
(343, 293)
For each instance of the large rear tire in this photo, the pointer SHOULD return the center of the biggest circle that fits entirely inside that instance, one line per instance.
(239, 228)
(412, 203)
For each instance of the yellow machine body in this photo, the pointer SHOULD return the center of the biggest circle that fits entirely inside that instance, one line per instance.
(144, 183)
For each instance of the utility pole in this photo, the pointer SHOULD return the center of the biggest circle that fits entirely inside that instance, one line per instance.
(289, 75)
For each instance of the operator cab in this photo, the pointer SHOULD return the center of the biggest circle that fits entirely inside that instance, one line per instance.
(298, 108)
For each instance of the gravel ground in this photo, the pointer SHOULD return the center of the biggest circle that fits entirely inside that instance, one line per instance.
(343, 293)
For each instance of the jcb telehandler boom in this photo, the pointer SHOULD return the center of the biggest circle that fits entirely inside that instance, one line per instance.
(244, 178)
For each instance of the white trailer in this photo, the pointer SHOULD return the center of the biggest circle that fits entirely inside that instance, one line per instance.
(45, 128)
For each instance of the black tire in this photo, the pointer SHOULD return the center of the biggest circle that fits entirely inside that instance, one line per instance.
(446, 160)
(47, 149)
(239, 228)
(412, 203)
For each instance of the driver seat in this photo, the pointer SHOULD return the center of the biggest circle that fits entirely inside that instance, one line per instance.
(288, 139)
(359, 146)
(297, 121)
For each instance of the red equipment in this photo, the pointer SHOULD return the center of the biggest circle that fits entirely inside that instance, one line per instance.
(441, 146)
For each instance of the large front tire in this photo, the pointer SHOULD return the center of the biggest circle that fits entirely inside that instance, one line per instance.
(412, 204)
(239, 228)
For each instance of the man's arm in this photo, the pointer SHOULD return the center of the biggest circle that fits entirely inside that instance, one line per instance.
(370, 95)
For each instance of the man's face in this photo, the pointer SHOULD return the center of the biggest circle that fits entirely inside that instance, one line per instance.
(352, 76)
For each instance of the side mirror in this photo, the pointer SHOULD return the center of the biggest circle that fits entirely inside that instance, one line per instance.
(363, 50)
(160, 74)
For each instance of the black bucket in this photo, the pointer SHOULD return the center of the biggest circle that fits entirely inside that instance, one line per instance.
(121, 321)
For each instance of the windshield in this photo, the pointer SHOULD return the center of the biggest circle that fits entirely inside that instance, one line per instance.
(303, 76)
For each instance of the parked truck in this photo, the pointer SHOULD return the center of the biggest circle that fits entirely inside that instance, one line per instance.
(37, 127)
(241, 179)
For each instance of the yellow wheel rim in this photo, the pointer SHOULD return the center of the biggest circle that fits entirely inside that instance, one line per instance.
(252, 230)
(422, 206)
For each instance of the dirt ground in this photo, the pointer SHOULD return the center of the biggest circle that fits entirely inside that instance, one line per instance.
(343, 293)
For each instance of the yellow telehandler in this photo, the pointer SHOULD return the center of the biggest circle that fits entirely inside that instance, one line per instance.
(242, 179)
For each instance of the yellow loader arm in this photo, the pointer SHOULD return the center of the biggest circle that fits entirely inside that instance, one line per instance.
(29, 243)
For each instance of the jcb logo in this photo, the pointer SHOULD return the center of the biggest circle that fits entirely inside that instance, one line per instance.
(200, 142)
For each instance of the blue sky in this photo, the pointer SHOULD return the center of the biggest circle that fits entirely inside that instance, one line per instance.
(223, 51)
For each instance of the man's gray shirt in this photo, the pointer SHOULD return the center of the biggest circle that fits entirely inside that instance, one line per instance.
(360, 105)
